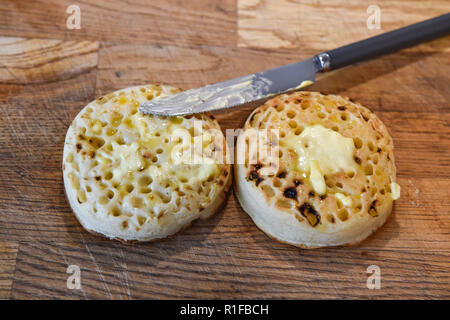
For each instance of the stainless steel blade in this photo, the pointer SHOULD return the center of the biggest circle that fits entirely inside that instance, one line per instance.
(234, 92)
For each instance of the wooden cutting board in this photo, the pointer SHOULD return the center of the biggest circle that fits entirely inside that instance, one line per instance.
(48, 73)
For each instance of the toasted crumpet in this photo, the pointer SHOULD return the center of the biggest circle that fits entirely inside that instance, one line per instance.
(334, 178)
(128, 176)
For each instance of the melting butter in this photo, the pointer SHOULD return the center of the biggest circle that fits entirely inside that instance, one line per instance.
(316, 178)
(321, 151)
(345, 200)
(395, 191)
(198, 172)
(304, 84)
(130, 159)
(181, 159)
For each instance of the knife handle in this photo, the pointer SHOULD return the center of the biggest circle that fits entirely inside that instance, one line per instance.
(384, 43)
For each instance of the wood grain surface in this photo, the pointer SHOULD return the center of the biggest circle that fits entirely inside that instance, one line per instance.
(48, 73)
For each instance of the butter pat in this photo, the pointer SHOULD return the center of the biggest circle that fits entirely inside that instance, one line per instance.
(395, 191)
(320, 152)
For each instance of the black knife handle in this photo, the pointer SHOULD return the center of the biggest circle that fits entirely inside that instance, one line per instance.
(384, 43)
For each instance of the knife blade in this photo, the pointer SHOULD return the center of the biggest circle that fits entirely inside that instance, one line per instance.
(234, 92)
(296, 75)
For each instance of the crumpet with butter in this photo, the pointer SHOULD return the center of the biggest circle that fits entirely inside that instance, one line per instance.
(136, 177)
(331, 179)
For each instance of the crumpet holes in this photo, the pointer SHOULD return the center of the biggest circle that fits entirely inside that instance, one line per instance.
(120, 141)
(374, 191)
(331, 218)
(110, 194)
(81, 196)
(145, 190)
(103, 200)
(277, 183)
(129, 188)
(358, 143)
(368, 170)
(116, 119)
(115, 212)
(291, 114)
(305, 105)
(141, 220)
(96, 142)
(343, 215)
(284, 204)
(145, 180)
(375, 159)
(268, 191)
(136, 202)
(108, 175)
(299, 131)
(75, 181)
(292, 124)
(111, 131)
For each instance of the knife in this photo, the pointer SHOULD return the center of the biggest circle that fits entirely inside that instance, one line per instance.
(293, 76)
